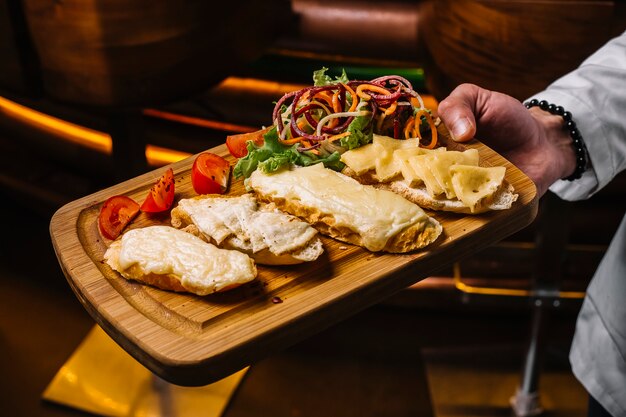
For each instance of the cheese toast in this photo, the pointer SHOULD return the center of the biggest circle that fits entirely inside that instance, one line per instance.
(435, 179)
(267, 235)
(174, 260)
(340, 207)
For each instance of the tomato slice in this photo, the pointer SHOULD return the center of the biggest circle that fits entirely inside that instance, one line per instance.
(161, 196)
(238, 144)
(115, 214)
(210, 174)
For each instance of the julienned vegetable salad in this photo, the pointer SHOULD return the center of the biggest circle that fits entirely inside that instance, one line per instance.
(317, 124)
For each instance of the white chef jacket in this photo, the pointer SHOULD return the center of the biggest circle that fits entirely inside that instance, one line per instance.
(595, 94)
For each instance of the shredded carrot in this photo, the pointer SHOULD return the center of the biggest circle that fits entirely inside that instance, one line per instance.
(389, 110)
(302, 123)
(336, 104)
(305, 97)
(355, 102)
(325, 95)
(339, 136)
(408, 127)
(360, 90)
(333, 122)
(290, 141)
(322, 105)
(431, 124)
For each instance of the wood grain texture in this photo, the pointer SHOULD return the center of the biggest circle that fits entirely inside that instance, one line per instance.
(114, 53)
(516, 47)
(191, 340)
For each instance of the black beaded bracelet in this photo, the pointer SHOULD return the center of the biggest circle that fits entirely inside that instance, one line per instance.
(570, 126)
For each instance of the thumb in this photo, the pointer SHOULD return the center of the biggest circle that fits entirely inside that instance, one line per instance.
(457, 112)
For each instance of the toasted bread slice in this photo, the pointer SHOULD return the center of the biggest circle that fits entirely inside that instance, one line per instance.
(267, 235)
(173, 260)
(502, 199)
(340, 207)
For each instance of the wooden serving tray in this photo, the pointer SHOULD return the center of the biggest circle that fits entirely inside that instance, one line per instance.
(192, 340)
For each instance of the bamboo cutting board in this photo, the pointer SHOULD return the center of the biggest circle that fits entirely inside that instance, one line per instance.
(192, 340)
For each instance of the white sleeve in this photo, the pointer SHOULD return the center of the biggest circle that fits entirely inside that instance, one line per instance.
(595, 94)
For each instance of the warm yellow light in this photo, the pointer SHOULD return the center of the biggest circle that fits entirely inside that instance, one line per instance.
(259, 86)
(158, 156)
(71, 132)
(80, 135)
(470, 289)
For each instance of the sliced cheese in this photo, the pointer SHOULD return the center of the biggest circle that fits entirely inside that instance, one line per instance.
(473, 184)
(401, 156)
(420, 164)
(387, 167)
(362, 159)
(440, 163)
(387, 157)
(390, 144)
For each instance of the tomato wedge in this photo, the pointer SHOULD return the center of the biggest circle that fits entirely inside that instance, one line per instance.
(115, 214)
(161, 196)
(238, 144)
(210, 174)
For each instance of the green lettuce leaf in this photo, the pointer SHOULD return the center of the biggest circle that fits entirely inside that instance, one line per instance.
(332, 161)
(273, 156)
(360, 133)
(320, 78)
(271, 149)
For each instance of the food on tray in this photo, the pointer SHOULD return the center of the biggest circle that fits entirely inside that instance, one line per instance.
(174, 260)
(317, 124)
(161, 195)
(118, 211)
(266, 234)
(353, 160)
(115, 214)
(383, 132)
(341, 207)
(238, 144)
(210, 174)
(437, 179)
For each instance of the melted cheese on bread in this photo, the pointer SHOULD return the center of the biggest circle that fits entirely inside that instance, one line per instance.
(240, 223)
(162, 251)
(375, 215)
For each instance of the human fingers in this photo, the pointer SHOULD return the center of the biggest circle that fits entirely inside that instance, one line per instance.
(458, 112)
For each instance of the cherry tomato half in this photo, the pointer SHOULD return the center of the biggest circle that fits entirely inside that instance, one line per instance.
(161, 196)
(237, 144)
(115, 215)
(210, 174)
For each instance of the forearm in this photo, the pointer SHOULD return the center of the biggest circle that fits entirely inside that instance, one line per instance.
(595, 94)
(559, 160)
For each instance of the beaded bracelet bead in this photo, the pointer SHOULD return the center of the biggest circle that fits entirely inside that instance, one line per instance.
(570, 126)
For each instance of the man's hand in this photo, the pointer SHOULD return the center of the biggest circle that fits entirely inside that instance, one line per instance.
(533, 140)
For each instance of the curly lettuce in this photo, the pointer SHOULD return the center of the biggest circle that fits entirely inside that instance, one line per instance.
(273, 156)
(320, 78)
(361, 133)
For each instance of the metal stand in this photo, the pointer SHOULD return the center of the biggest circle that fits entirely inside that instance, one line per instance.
(551, 239)
(526, 402)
